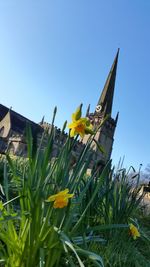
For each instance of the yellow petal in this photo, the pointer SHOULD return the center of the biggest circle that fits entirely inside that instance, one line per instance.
(134, 231)
(82, 120)
(71, 125)
(61, 193)
(64, 192)
(70, 195)
(72, 132)
(51, 198)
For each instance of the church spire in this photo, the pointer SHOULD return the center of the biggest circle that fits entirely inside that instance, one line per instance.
(106, 99)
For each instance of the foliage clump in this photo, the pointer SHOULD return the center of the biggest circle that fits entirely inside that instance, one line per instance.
(54, 214)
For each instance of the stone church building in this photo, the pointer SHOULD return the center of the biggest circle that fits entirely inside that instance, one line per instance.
(13, 126)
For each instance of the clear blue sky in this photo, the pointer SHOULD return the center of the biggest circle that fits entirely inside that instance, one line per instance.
(60, 52)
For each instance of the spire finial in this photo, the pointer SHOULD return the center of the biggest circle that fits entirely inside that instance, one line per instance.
(116, 119)
(42, 121)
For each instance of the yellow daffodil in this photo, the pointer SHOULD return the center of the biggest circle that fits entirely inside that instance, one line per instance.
(134, 231)
(60, 199)
(80, 125)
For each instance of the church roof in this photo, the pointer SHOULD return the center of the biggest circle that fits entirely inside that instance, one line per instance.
(19, 122)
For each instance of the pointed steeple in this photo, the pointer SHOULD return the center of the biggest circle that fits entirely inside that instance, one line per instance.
(88, 110)
(42, 121)
(106, 99)
(116, 119)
